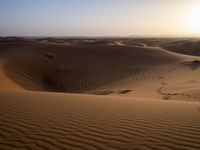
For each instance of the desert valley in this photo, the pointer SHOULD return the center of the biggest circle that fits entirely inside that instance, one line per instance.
(99, 93)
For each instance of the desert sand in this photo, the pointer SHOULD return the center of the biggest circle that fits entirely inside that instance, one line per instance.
(99, 93)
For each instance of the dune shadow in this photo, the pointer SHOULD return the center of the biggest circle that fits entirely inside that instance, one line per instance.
(69, 69)
(193, 65)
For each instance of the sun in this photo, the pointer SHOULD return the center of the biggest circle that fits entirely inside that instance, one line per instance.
(193, 20)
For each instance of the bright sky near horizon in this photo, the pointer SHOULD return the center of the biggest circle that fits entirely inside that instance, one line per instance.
(98, 17)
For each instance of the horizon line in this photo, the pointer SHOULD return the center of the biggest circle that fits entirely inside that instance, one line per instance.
(106, 36)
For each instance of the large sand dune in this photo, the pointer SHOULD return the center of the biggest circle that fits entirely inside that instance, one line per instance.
(64, 121)
(127, 94)
(112, 67)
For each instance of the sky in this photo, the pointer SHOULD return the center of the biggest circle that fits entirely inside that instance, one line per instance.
(98, 17)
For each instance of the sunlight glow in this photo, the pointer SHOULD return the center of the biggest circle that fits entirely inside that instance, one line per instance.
(193, 20)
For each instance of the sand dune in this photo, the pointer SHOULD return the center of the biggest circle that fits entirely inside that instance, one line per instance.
(188, 46)
(65, 121)
(125, 94)
(100, 69)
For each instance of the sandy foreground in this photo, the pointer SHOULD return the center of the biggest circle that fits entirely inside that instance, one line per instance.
(99, 94)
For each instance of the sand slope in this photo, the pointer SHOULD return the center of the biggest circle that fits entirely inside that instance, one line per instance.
(65, 121)
(93, 67)
(188, 46)
(5, 82)
(68, 68)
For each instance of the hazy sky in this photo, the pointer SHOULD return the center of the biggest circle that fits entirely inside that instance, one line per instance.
(95, 17)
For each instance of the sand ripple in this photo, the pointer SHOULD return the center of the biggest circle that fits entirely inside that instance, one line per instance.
(60, 121)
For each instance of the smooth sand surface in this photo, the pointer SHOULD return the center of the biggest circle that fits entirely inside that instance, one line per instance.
(99, 94)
